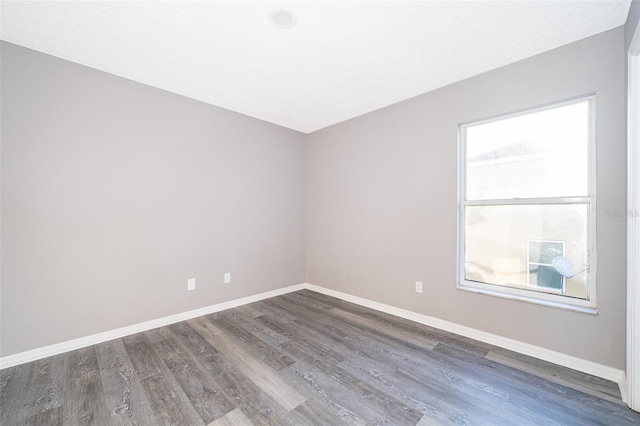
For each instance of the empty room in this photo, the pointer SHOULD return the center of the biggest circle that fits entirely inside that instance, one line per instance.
(320, 213)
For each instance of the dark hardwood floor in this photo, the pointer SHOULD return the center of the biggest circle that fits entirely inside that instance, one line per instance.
(303, 359)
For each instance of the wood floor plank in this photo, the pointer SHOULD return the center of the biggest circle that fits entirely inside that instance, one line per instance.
(143, 358)
(398, 354)
(322, 298)
(39, 387)
(47, 385)
(278, 314)
(323, 390)
(13, 390)
(420, 341)
(84, 396)
(252, 401)
(300, 301)
(337, 324)
(159, 334)
(406, 325)
(304, 298)
(469, 346)
(310, 350)
(374, 396)
(316, 412)
(233, 418)
(125, 398)
(381, 340)
(168, 401)
(167, 405)
(50, 417)
(338, 388)
(233, 327)
(537, 395)
(382, 365)
(203, 391)
(303, 359)
(191, 340)
(417, 331)
(276, 326)
(302, 342)
(465, 380)
(262, 375)
(300, 312)
(318, 321)
(444, 395)
(577, 380)
(441, 405)
(427, 420)
(261, 330)
(249, 311)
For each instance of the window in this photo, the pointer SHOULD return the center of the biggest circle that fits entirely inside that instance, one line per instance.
(527, 197)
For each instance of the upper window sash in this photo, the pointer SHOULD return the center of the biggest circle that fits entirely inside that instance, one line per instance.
(559, 149)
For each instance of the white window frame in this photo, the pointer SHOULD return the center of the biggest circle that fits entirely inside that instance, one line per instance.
(541, 298)
(633, 224)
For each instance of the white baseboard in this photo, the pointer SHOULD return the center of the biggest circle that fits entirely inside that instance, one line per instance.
(70, 345)
(589, 367)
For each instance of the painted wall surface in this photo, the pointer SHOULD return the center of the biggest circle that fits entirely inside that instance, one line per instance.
(115, 193)
(381, 200)
(632, 22)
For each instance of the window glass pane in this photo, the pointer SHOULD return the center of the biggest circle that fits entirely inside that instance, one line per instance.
(542, 154)
(543, 252)
(497, 239)
(546, 277)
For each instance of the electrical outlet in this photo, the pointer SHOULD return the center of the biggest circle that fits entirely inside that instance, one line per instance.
(418, 286)
(191, 284)
(227, 278)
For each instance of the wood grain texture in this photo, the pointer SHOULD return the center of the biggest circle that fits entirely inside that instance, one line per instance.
(232, 326)
(169, 402)
(83, 397)
(265, 377)
(232, 418)
(577, 380)
(13, 392)
(203, 391)
(253, 402)
(303, 359)
(167, 405)
(51, 417)
(144, 359)
(41, 384)
(248, 311)
(316, 411)
(124, 396)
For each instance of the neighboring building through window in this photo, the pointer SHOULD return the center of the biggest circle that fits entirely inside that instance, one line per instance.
(540, 271)
(526, 196)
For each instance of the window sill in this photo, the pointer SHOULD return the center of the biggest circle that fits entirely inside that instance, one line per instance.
(591, 310)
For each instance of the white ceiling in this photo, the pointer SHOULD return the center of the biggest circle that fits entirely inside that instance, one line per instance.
(341, 60)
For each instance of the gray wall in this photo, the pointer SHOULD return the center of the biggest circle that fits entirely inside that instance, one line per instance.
(381, 200)
(115, 193)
